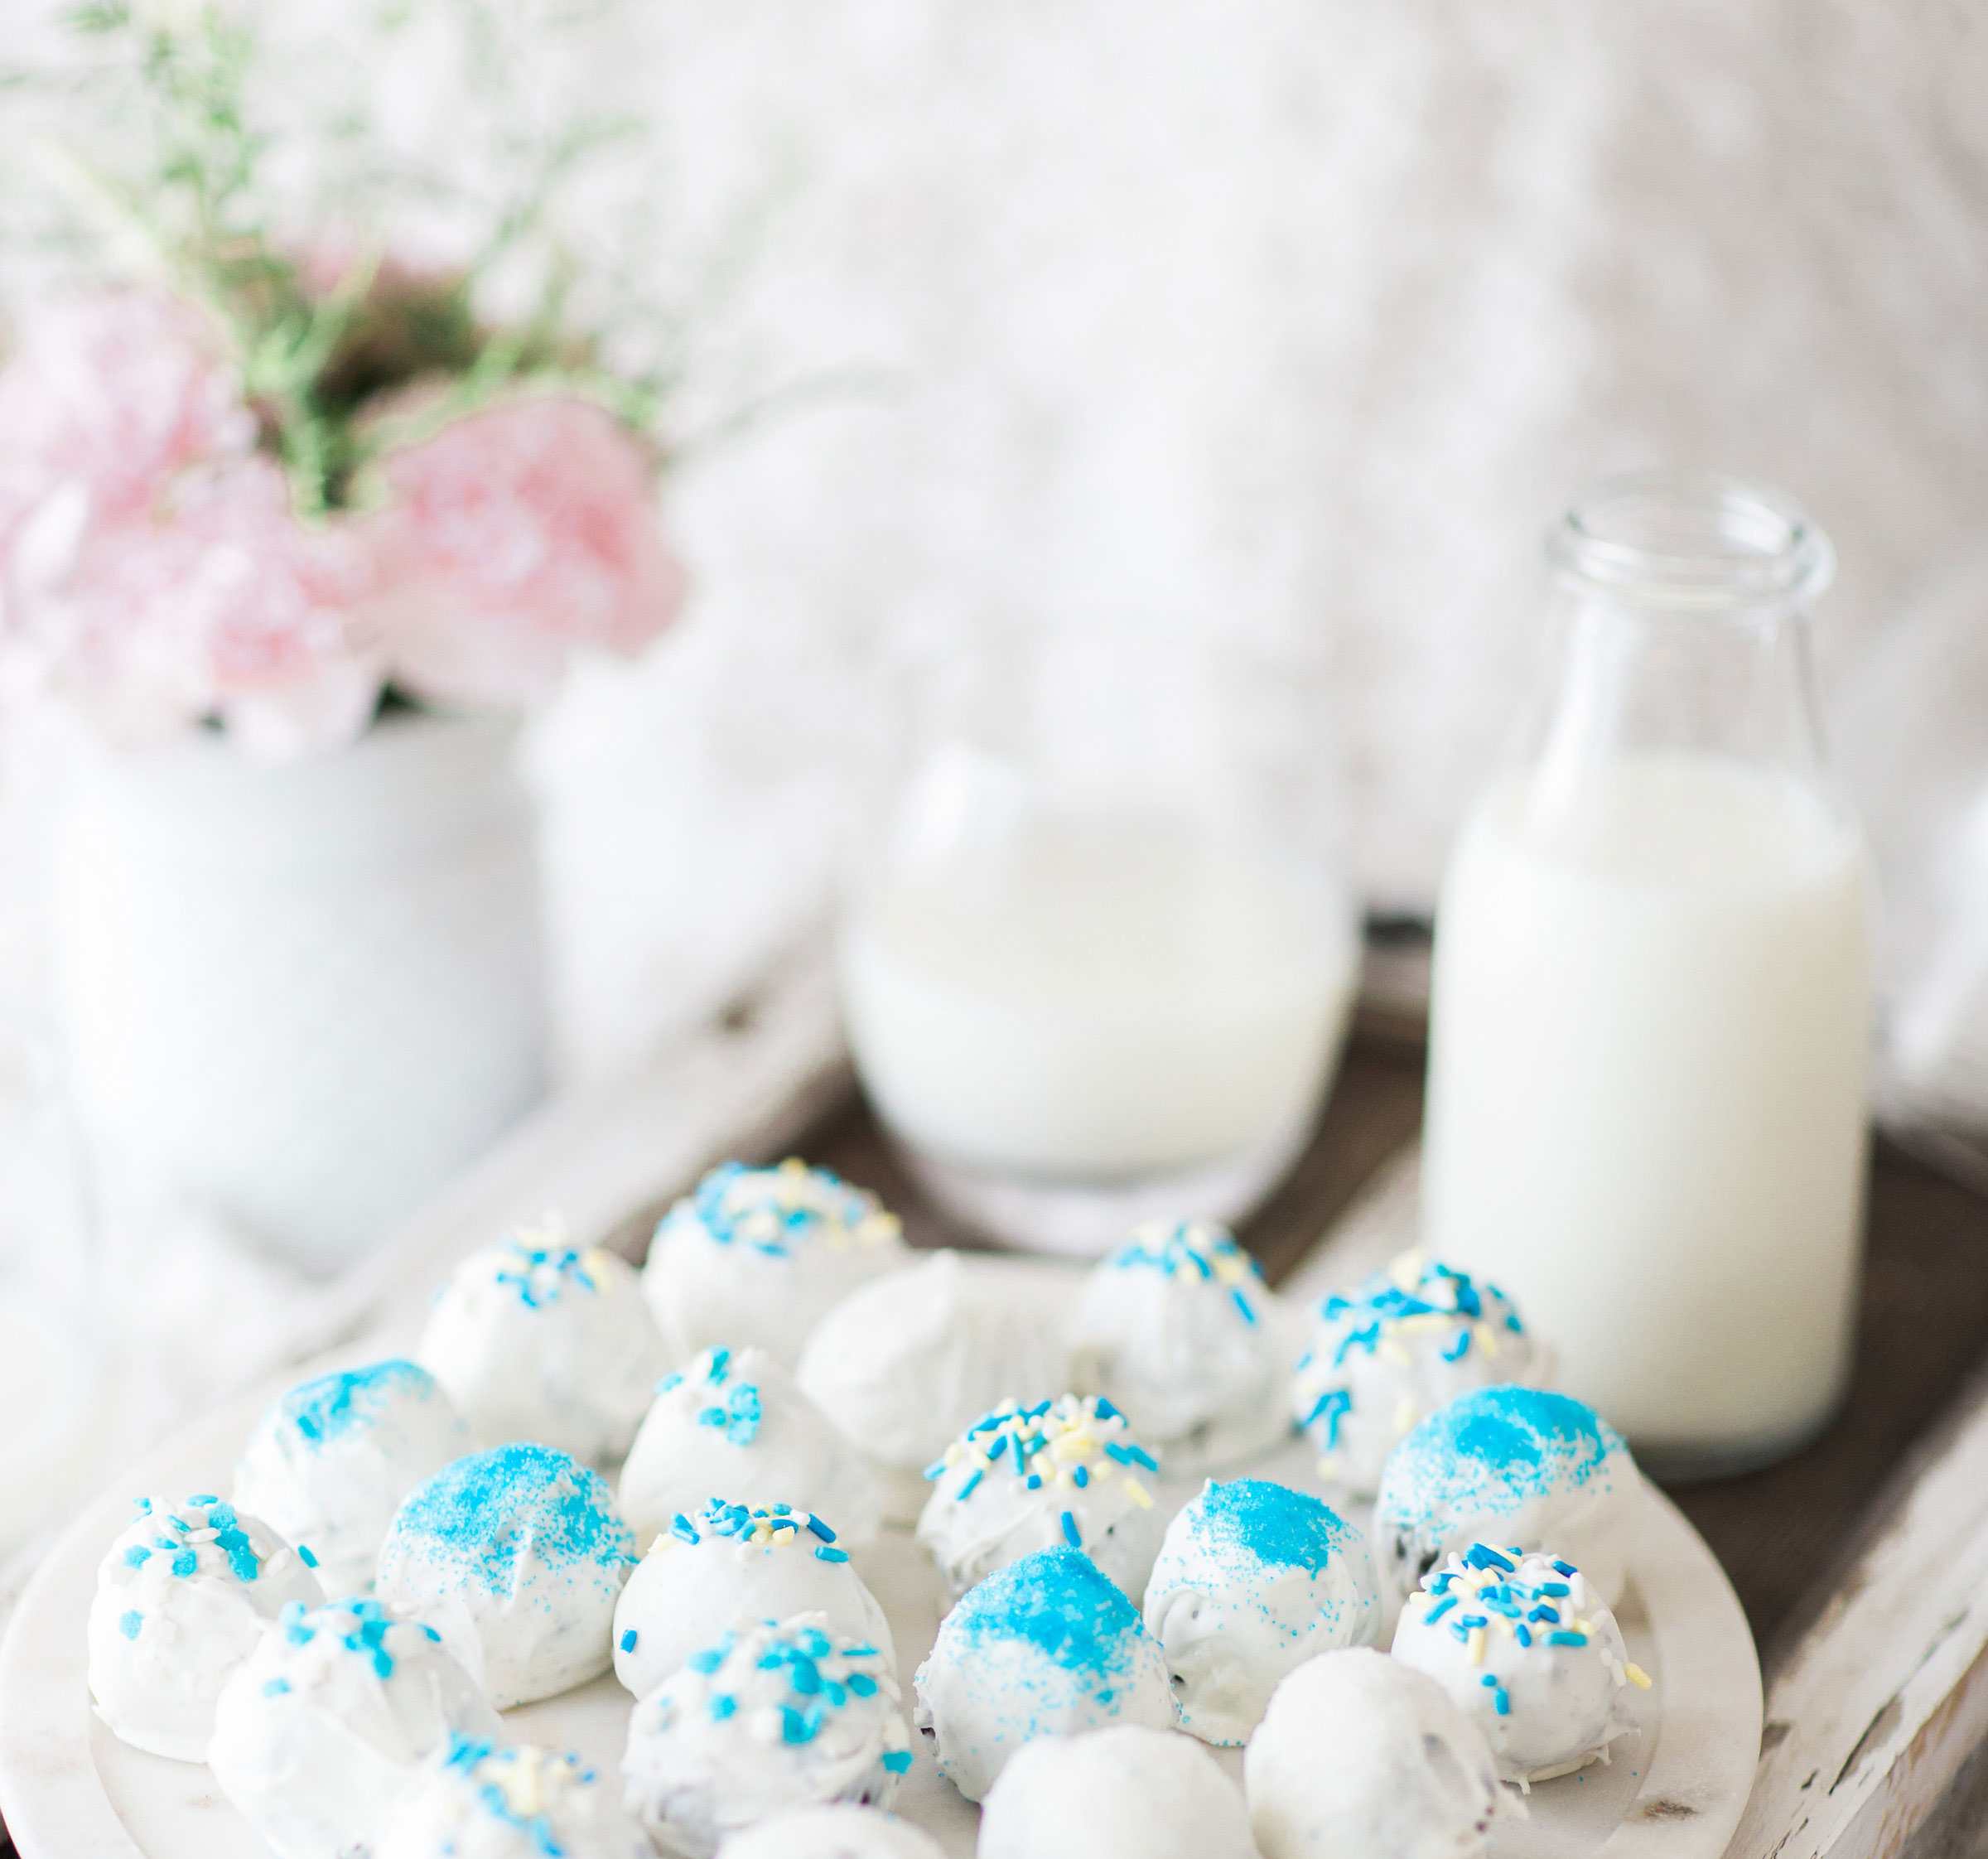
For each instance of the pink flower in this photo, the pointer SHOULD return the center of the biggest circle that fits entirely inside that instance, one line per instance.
(513, 538)
(217, 602)
(104, 400)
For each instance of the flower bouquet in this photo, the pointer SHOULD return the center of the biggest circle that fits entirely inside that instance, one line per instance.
(274, 492)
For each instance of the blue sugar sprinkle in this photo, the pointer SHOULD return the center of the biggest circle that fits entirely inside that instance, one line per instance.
(332, 1407)
(1441, 1608)
(720, 1360)
(680, 1527)
(1105, 1410)
(1489, 1679)
(861, 1683)
(722, 1705)
(303, 1550)
(203, 1497)
(136, 1555)
(1543, 1612)
(795, 1727)
(1071, 1534)
(1501, 1702)
(1524, 1634)
(897, 1761)
(1080, 1476)
(967, 1485)
(477, 1515)
(276, 1687)
(935, 1469)
(1458, 1350)
(825, 1554)
(129, 1624)
(1251, 1520)
(1564, 1568)
(1556, 1589)
(1034, 1481)
(820, 1529)
(628, 1640)
(1566, 1639)
(999, 1446)
(805, 1676)
(1057, 1600)
(1242, 1304)
(1493, 1448)
(185, 1563)
(707, 1659)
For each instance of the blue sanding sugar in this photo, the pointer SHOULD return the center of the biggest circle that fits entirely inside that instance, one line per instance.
(1504, 1442)
(333, 1406)
(473, 1516)
(1058, 1600)
(1272, 1524)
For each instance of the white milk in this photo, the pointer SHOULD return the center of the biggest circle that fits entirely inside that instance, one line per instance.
(1647, 1091)
(1087, 1000)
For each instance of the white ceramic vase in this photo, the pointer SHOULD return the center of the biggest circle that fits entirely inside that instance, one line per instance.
(305, 996)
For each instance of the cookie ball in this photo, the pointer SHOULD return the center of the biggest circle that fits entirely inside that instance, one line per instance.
(478, 1800)
(1046, 1646)
(1384, 1357)
(1252, 1579)
(320, 1736)
(1359, 1755)
(329, 1463)
(840, 1832)
(726, 1567)
(183, 1596)
(768, 1719)
(1179, 1331)
(1124, 1793)
(1509, 1465)
(733, 1424)
(536, 1341)
(520, 1554)
(905, 1364)
(1524, 1645)
(1020, 1479)
(756, 1256)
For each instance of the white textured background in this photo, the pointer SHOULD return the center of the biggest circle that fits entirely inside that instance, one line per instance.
(1298, 318)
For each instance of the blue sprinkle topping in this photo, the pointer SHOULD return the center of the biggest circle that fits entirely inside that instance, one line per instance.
(1250, 1520)
(136, 1555)
(897, 1761)
(303, 1550)
(129, 1624)
(628, 1640)
(276, 1687)
(333, 1407)
(185, 1563)
(722, 1705)
(1071, 1534)
(827, 1555)
(1057, 1600)
(1566, 1638)
(820, 1529)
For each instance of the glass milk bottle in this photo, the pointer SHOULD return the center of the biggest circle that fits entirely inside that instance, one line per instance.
(1651, 1012)
(1095, 962)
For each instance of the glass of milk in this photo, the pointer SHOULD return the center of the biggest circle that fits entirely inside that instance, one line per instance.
(1650, 1023)
(1096, 965)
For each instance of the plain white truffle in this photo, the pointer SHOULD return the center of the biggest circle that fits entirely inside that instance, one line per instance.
(536, 1341)
(733, 1423)
(764, 1719)
(183, 1596)
(1178, 1331)
(756, 1256)
(1525, 1646)
(321, 1734)
(1124, 1793)
(726, 1567)
(329, 1463)
(520, 1554)
(1021, 1479)
(1383, 1360)
(1509, 1465)
(840, 1832)
(473, 1800)
(1359, 1755)
(905, 1363)
(1252, 1579)
(1047, 1646)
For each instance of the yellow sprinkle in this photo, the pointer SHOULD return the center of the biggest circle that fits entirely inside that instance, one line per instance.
(1391, 1351)
(1582, 1626)
(1138, 1493)
(1426, 1320)
(1487, 1340)
(1328, 1468)
(1405, 1415)
(1407, 1271)
(1476, 1645)
(1636, 1676)
(595, 1259)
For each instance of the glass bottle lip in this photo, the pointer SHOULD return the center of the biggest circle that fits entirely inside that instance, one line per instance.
(1696, 541)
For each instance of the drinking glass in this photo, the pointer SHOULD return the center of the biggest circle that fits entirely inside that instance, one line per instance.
(1096, 959)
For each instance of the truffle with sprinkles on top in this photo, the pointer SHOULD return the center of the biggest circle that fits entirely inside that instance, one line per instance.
(1384, 1357)
(476, 1799)
(727, 1564)
(524, 1547)
(1510, 1464)
(1178, 1331)
(1066, 1472)
(732, 1422)
(183, 1596)
(1047, 1646)
(329, 1464)
(764, 1719)
(756, 1256)
(320, 1734)
(535, 1340)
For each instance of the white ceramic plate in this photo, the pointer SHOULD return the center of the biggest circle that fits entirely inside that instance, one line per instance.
(69, 1790)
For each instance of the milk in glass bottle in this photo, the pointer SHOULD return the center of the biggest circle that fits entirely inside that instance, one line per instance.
(1650, 1019)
